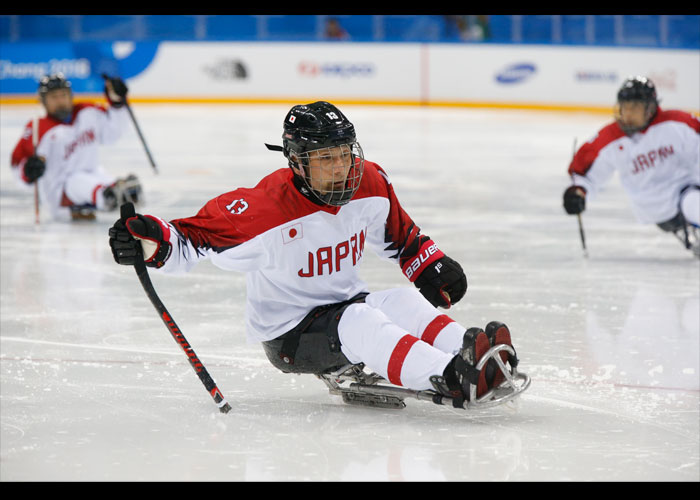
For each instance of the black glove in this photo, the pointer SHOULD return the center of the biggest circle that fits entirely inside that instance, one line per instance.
(442, 283)
(140, 238)
(34, 168)
(574, 200)
(115, 90)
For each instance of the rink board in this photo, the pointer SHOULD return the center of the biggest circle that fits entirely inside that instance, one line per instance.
(493, 75)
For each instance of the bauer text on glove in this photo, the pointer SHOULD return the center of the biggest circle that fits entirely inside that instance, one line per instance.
(442, 282)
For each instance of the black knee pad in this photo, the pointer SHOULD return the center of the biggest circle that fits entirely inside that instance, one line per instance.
(313, 346)
(678, 222)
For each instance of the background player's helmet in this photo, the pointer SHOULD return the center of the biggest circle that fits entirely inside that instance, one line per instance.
(54, 82)
(321, 126)
(638, 88)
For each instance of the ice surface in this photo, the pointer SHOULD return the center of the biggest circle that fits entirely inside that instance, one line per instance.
(94, 388)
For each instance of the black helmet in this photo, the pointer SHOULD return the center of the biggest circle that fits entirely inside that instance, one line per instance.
(54, 82)
(315, 126)
(322, 127)
(637, 88)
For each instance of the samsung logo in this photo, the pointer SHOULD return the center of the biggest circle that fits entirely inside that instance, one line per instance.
(516, 73)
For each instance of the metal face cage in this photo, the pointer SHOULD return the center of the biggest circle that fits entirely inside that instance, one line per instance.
(333, 173)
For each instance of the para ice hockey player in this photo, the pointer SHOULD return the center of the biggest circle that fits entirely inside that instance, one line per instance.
(300, 235)
(59, 151)
(656, 154)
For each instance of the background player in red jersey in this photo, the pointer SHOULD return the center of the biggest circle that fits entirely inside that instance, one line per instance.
(299, 235)
(656, 154)
(59, 152)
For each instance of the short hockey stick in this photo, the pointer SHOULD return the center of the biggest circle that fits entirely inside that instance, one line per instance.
(127, 210)
(143, 141)
(578, 216)
(35, 142)
(583, 237)
(138, 131)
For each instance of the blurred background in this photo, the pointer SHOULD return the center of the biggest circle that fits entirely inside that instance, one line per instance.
(473, 117)
(666, 31)
(561, 62)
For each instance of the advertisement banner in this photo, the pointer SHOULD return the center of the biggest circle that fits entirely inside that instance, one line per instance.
(23, 64)
(282, 71)
(567, 77)
(573, 76)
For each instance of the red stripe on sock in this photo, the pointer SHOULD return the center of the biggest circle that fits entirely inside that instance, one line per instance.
(94, 194)
(398, 356)
(435, 327)
(65, 201)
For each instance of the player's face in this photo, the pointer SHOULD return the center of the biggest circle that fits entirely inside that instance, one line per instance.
(633, 113)
(328, 168)
(58, 100)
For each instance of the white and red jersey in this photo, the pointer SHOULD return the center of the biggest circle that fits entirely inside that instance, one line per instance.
(297, 254)
(68, 147)
(653, 165)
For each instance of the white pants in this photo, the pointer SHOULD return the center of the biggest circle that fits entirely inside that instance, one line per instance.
(84, 188)
(400, 336)
(690, 206)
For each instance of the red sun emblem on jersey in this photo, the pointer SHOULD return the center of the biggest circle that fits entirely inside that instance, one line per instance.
(291, 233)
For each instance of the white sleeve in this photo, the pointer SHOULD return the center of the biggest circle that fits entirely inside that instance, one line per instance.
(113, 123)
(245, 257)
(600, 172)
(693, 154)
